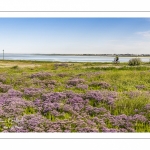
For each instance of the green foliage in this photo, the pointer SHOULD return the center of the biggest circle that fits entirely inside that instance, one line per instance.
(15, 67)
(29, 110)
(122, 78)
(8, 122)
(48, 115)
(135, 62)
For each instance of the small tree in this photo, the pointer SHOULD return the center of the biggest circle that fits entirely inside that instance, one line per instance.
(134, 62)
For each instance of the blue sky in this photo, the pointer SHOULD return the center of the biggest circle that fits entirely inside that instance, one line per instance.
(75, 35)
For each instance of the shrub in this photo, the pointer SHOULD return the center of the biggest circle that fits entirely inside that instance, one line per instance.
(15, 67)
(134, 62)
(75, 81)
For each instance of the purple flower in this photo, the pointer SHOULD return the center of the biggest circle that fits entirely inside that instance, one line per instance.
(14, 106)
(53, 97)
(4, 87)
(139, 87)
(32, 91)
(41, 75)
(139, 118)
(82, 86)
(31, 123)
(14, 93)
(147, 107)
(109, 130)
(2, 78)
(96, 95)
(62, 75)
(133, 94)
(75, 81)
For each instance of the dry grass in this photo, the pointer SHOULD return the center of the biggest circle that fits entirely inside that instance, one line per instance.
(20, 65)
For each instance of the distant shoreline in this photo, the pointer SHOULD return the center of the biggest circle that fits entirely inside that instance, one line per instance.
(77, 55)
(104, 55)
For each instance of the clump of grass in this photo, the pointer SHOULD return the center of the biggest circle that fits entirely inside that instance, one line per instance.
(134, 62)
(15, 67)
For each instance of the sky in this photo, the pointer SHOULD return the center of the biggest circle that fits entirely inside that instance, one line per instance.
(75, 35)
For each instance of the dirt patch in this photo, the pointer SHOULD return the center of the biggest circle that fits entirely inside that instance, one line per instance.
(106, 66)
(3, 65)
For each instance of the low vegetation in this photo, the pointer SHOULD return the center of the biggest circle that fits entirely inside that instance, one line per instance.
(74, 97)
(135, 62)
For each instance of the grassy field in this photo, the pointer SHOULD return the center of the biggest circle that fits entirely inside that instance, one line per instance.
(74, 97)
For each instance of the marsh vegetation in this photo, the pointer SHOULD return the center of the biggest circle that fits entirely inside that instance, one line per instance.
(74, 97)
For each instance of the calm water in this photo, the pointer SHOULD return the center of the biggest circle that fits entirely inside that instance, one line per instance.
(66, 58)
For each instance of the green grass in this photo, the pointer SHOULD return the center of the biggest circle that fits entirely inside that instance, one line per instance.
(121, 77)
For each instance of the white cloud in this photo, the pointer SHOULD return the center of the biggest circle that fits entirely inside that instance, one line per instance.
(135, 47)
(144, 33)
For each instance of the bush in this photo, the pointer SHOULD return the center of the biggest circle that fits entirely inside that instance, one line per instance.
(15, 67)
(134, 62)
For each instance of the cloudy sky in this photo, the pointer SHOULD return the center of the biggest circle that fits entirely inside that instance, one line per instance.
(75, 35)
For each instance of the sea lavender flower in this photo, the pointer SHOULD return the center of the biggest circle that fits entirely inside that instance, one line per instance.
(62, 75)
(123, 130)
(41, 75)
(88, 109)
(71, 94)
(69, 86)
(2, 78)
(38, 104)
(109, 130)
(32, 91)
(3, 98)
(96, 95)
(147, 108)
(48, 106)
(95, 111)
(87, 129)
(37, 81)
(78, 103)
(17, 129)
(4, 87)
(53, 97)
(90, 123)
(14, 106)
(100, 110)
(129, 129)
(138, 117)
(110, 100)
(82, 86)
(111, 94)
(92, 74)
(52, 82)
(121, 121)
(55, 113)
(75, 99)
(139, 87)
(133, 94)
(33, 123)
(75, 81)
(104, 84)
(14, 93)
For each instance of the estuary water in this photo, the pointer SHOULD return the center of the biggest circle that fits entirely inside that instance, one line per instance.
(63, 58)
